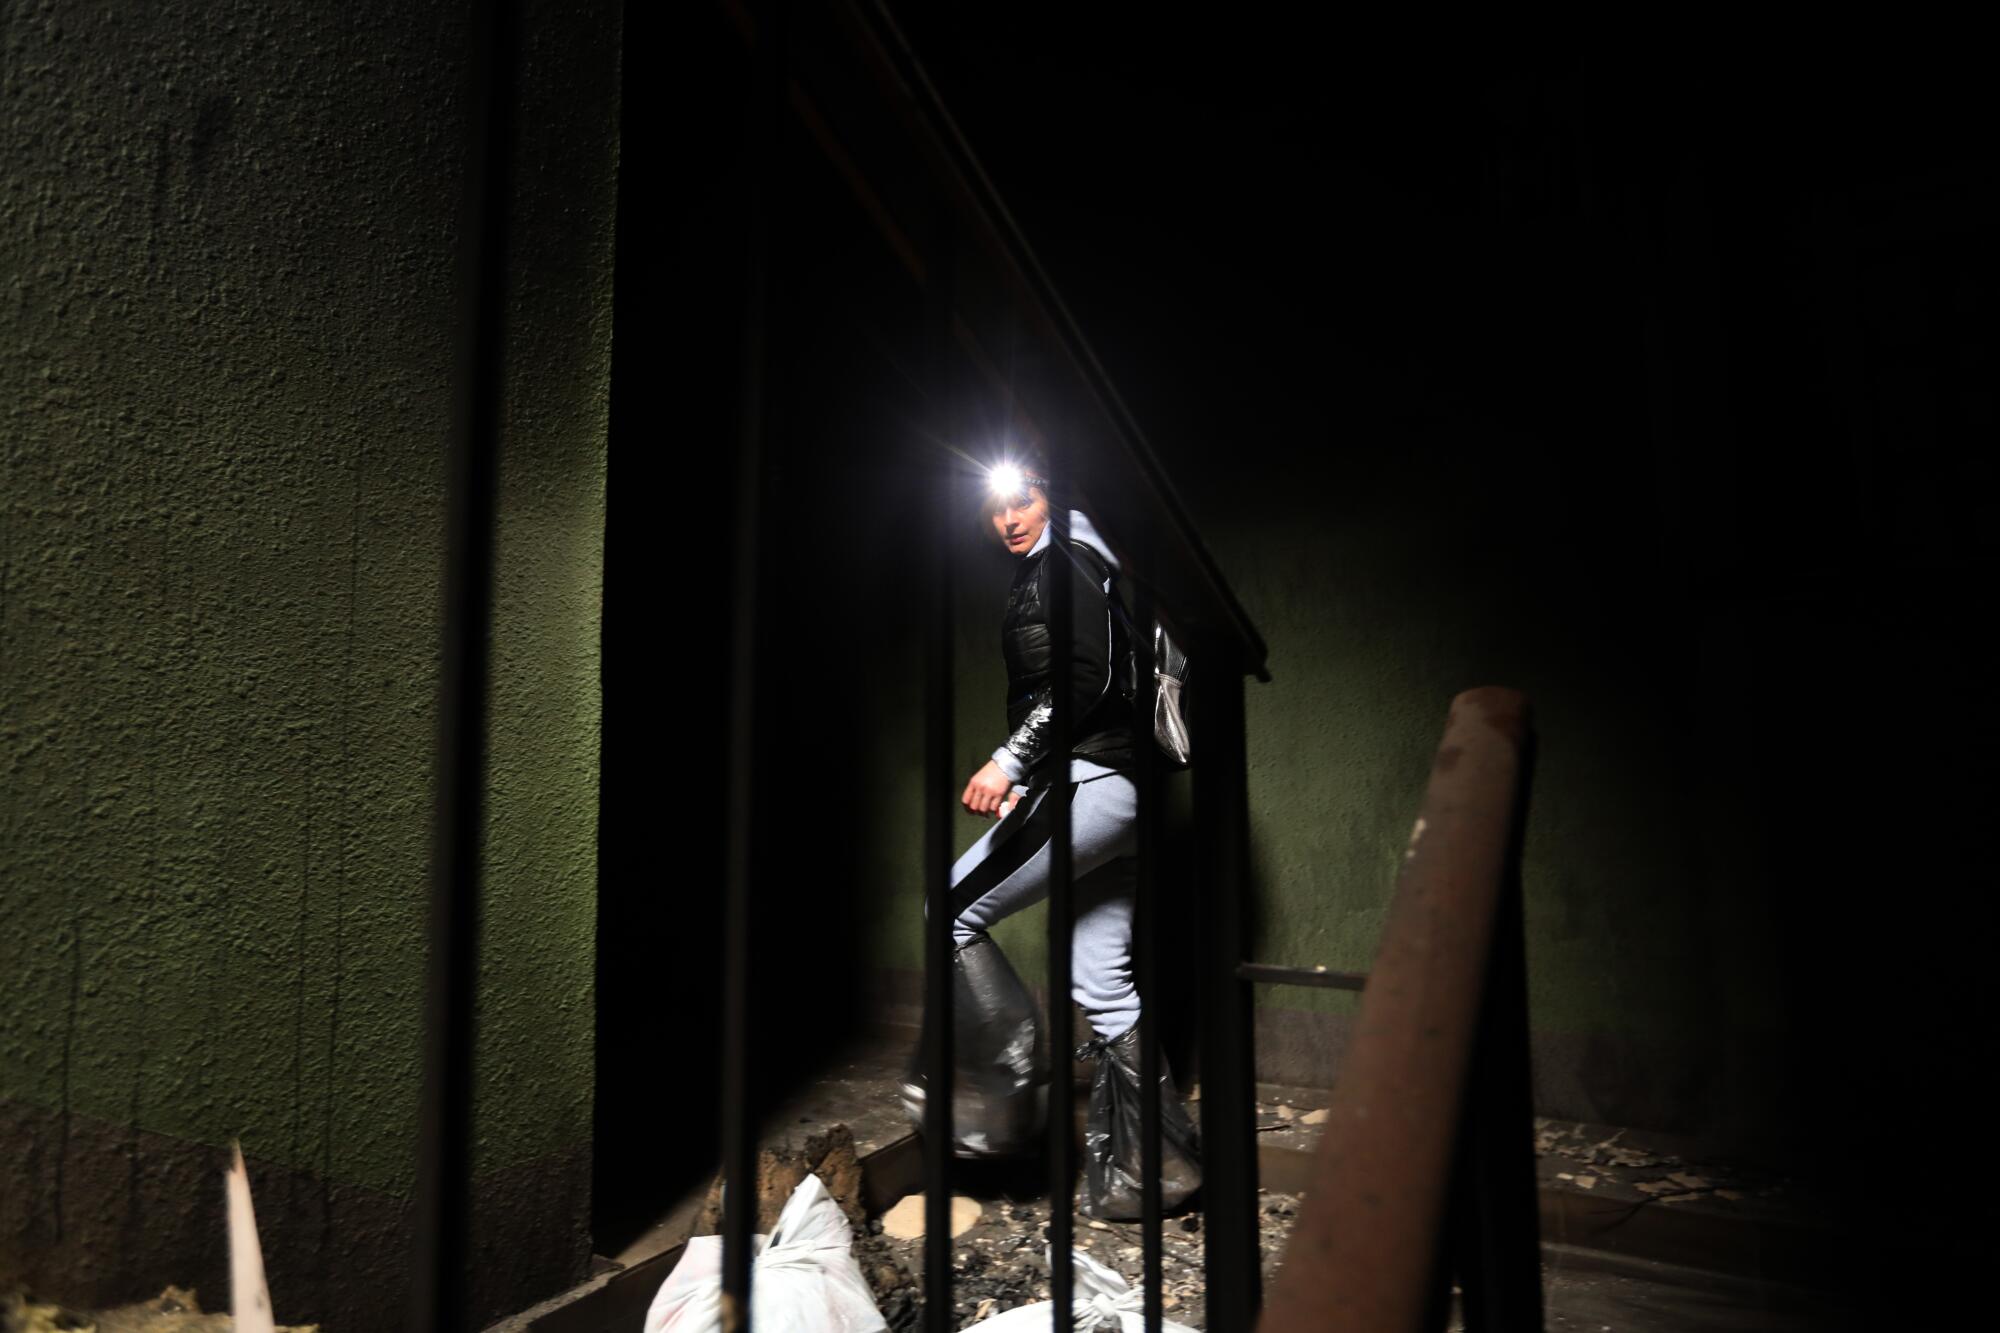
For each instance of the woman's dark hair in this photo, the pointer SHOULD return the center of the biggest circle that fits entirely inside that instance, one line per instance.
(1033, 460)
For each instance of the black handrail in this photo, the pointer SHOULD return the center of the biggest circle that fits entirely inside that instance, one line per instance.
(1175, 580)
(1210, 607)
(770, 78)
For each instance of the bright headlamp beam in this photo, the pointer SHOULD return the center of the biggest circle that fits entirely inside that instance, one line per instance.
(1005, 479)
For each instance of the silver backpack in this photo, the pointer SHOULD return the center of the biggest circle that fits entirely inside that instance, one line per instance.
(1170, 669)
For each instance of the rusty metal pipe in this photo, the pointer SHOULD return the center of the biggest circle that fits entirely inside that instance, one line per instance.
(1365, 1253)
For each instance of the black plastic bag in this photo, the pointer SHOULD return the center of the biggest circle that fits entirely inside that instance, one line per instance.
(1000, 1080)
(1112, 1156)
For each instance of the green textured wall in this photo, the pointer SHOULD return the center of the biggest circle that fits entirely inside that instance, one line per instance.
(229, 238)
(1398, 576)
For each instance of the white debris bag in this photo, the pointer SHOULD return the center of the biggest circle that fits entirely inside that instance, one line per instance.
(803, 1276)
(1101, 1300)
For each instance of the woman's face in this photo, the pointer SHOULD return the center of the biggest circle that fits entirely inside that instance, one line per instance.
(1019, 519)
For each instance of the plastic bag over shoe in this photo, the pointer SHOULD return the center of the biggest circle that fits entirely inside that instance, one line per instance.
(1113, 1162)
(1000, 1086)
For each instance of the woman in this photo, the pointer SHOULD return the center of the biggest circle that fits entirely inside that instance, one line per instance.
(1001, 1074)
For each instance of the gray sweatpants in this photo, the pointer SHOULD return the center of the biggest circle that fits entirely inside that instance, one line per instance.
(1008, 869)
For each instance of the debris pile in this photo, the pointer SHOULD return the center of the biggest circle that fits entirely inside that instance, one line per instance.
(1000, 1261)
(1659, 1175)
(830, 1155)
(1289, 1116)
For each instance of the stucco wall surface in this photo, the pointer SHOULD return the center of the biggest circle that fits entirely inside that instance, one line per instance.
(229, 243)
(1446, 563)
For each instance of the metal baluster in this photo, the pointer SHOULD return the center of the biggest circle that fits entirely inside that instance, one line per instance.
(1062, 1098)
(1146, 940)
(739, 1103)
(1230, 1246)
(939, 801)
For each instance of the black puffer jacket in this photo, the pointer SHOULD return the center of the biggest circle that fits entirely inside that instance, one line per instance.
(1100, 677)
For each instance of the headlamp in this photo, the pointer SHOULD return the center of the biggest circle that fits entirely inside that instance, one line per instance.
(1007, 481)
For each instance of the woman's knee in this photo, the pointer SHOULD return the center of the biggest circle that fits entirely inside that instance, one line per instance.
(1100, 950)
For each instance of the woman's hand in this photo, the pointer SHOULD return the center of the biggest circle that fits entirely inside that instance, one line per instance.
(988, 791)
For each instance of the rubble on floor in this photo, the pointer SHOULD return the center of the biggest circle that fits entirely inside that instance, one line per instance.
(1636, 1165)
(829, 1154)
(1000, 1261)
(175, 1310)
(1587, 1157)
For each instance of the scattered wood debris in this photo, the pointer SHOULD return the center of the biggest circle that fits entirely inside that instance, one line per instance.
(1654, 1173)
(905, 1221)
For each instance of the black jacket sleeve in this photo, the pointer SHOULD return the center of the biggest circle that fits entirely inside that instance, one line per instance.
(1090, 657)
